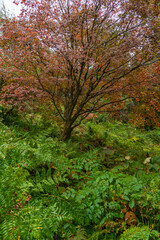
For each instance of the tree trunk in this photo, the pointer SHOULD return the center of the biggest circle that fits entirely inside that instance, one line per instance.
(67, 130)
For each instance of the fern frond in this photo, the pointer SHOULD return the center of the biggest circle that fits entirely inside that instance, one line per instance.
(80, 234)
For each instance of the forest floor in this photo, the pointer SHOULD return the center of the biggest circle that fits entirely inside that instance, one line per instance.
(103, 183)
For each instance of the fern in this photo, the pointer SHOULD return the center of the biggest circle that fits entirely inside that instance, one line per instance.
(80, 234)
(140, 233)
(51, 188)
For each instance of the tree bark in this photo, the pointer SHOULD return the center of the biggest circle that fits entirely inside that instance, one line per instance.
(67, 130)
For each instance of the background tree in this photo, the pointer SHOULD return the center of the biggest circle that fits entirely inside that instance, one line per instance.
(143, 108)
(12, 95)
(78, 53)
(3, 11)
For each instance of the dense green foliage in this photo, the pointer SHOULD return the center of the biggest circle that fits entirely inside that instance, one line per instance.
(103, 183)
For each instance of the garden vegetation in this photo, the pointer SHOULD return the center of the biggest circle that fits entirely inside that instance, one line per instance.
(79, 121)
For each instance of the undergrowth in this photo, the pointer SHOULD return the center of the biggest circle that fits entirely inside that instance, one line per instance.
(103, 183)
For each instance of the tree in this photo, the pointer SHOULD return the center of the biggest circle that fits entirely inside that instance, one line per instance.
(143, 109)
(3, 12)
(78, 53)
(145, 112)
(12, 95)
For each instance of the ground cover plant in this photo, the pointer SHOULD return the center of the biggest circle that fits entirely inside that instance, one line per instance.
(103, 183)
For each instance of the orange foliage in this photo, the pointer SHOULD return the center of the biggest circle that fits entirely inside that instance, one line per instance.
(79, 55)
(131, 218)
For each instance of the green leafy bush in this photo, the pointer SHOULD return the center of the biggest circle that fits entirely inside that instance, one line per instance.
(140, 233)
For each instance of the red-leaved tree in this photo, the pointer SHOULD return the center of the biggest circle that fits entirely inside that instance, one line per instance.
(78, 53)
(17, 97)
(144, 107)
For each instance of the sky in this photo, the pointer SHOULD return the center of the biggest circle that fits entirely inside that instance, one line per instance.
(11, 7)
